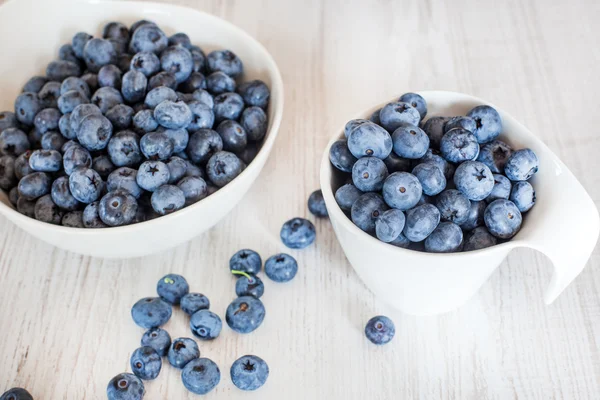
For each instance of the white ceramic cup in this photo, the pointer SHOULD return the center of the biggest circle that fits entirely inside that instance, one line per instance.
(563, 225)
(31, 32)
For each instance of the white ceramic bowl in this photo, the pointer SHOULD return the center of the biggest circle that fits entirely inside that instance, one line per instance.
(31, 31)
(563, 225)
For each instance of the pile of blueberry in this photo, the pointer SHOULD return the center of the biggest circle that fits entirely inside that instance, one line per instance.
(128, 127)
(441, 185)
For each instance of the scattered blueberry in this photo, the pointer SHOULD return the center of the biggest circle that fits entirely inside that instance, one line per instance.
(125, 387)
(200, 376)
(182, 351)
(193, 302)
(380, 330)
(146, 363)
(316, 204)
(246, 260)
(245, 314)
(281, 267)
(249, 286)
(249, 372)
(158, 339)
(298, 233)
(151, 312)
(205, 324)
(16, 394)
(172, 287)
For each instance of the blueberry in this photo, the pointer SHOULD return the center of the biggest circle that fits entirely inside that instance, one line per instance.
(494, 155)
(501, 190)
(62, 69)
(152, 174)
(225, 61)
(205, 324)
(369, 139)
(106, 98)
(202, 116)
(35, 138)
(124, 149)
(503, 219)
(380, 330)
(204, 97)
(27, 105)
(316, 204)
(86, 185)
(75, 83)
(151, 312)
(249, 286)
(45, 160)
(34, 85)
(366, 209)
(13, 196)
(61, 194)
(33, 185)
(395, 163)
(177, 169)
(341, 157)
(182, 351)
(401, 241)
(396, 114)
(13, 142)
(346, 195)
(245, 314)
(47, 120)
(158, 95)
(247, 261)
(233, 135)
(194, 189)
(134, 86)
(369, 173)
(521, 165)
(402, 190)
(148, 37)
(523, 195)
(194, 82)
(49, 94)
(120, 116)
(79, 113)
(417, 101)
(172, 287)
(459, 145)
(26, 207)
(454, 206)
(219, 82)
(71, 99)
(475, 216)
(177, 60)
(73, 219)
(139, 23)
(143, 121)
(249, 372)
(53, 141)
(110, 75)
(173, 115)
(460, 122)
(249, 153)
(478, 238)
(125, 387)
(199, 58)
(162, 79)
(193, 302)
(91, 219)
(145, 363)
(430, 176)
(420, 222)
(94, 132)
(432, 156)
(446, 238)
(298, 233)
(488, 123)
(167, 199)
(158, 339)
(223, 167)
(156, 146)
(145, 62)
(75, 157)
(389, 225)
(228, 106)
(117, 31)
(474, 179)
(410, 142)
(375, 117)
(124, 178)
(98, 53)
(180, 39)
(117, 208)
(46, 211)
(64, 126)
(200, 376)
(7, 172)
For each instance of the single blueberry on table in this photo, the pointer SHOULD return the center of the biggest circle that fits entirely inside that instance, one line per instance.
(420, 222)
(225, 61)
(434, 128)
(389, 225)
(281, 267)
(91, 219)
(53, 141)
(173, 115)
(167, 199)
(46, 211)
(396, 114)
(521, 165)
(316, 204)
(144, 122)
(446, 238)
(61, 194)
(223, 167)
(134, 86)
(494, 155)
(182, 351)
(145, 62)
(22, 167)
(369, 173)
(158, 339)
(27, 105)
(219, 82)
(233, 135)
(488, 124)
(194, 189)
(503, 219)
(125, 387)
(13, 142)
(34, 85)
(249, 372)
(16, 394)
(151, 312)
(341, 157)
(34, 185)
(298, 233)
(475, 217)
(402, 190)
(501, 190)
(460, 122)
(479, 238)
(162, 79)
(245, 314)
(124, 149)
(200, 376)
(523, 195)
(117, 208)
(193, 302)
(202, 116)
(459, 145)
(255, 93)
(203, 144)
(152, 174)
(172, 287)
(366, 210)
(205, 324)
(474, 179)
(110, 75)
(431, 177)
(156, 146)
(146, 363)
(246, 260)
(98, 53)
(369, 139)
(346, 195)
(7, 172)
(86, 185)
(249, 285)
(454, 206)
(148, 38)
(380, 330)
(106, 98)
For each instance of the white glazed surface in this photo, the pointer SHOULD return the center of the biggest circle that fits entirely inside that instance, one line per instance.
(38, 44)
(564, 225)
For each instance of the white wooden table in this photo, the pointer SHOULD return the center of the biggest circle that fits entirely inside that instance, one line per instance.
(65, 319)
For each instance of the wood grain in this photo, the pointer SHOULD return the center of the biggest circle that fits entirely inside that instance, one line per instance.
(65, 319)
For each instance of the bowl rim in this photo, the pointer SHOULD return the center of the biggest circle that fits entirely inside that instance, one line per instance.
(326, 173)
(275, 115)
